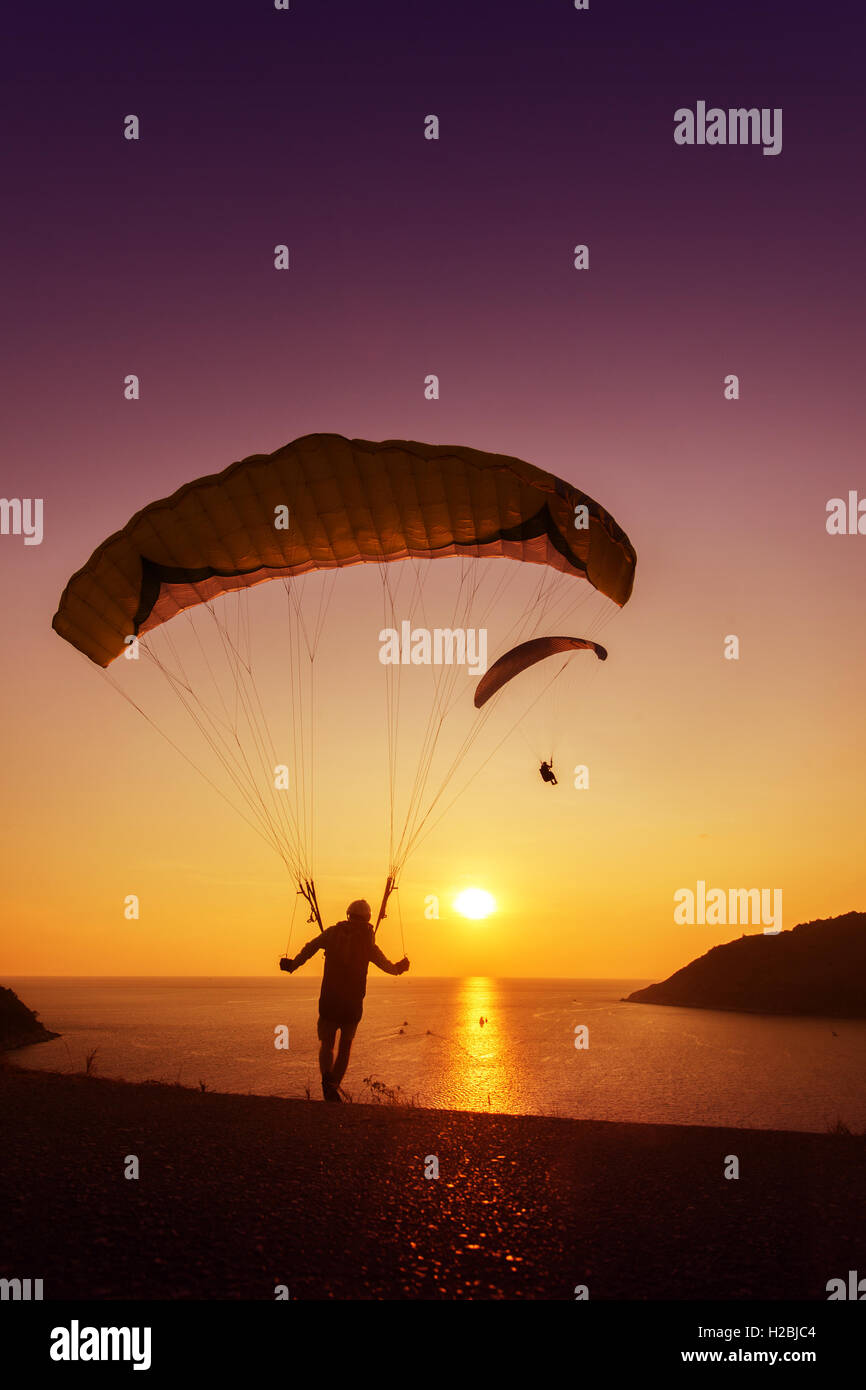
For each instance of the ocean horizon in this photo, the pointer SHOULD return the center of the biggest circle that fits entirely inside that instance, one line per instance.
(423, 1043)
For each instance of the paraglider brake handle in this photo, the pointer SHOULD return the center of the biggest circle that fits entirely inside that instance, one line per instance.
(307, 889)
(390, 887)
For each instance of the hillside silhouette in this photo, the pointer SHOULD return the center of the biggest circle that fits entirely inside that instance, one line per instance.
(817, 968)
(19, 1026)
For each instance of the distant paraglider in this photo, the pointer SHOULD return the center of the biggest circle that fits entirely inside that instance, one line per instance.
(526, 654)
(521, 658)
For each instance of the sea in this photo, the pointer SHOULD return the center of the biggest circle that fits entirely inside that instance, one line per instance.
(568, 1048)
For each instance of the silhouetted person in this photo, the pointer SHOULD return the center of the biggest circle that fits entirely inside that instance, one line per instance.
(547, 774)
(349, 948)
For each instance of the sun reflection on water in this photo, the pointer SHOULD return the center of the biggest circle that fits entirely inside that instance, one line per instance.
(473, 1067)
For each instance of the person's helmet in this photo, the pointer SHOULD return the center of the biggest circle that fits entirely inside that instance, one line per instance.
(359, 908)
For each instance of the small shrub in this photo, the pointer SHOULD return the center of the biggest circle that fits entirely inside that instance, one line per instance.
(839, 1127)
(382, 1094)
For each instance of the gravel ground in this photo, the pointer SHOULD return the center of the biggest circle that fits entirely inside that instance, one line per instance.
(239, 1193)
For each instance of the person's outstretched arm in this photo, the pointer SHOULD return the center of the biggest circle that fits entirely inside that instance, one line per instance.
(390, 967)
(305, 952)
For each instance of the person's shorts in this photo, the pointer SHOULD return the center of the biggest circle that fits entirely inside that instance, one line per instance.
(346, 1020)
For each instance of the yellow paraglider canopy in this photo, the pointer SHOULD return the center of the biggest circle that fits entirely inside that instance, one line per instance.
(325, 502)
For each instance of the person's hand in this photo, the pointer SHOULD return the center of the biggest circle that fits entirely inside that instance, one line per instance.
(286, 964)
(404, 965)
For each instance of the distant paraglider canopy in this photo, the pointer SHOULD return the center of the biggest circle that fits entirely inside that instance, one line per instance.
(521, 657)
(324, 504)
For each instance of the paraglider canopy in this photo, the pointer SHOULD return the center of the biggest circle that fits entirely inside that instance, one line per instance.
(526, 654)
(324, 503)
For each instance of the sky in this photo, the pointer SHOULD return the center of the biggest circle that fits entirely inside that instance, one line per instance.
(455, 257)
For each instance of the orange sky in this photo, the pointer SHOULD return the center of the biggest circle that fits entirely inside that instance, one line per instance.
(739, 773)
(455, 258)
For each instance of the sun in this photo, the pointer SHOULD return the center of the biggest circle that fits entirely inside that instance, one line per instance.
(475, 903)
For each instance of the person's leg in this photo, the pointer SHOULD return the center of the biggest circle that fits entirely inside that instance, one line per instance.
(327, 1034)
(347, 1035)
